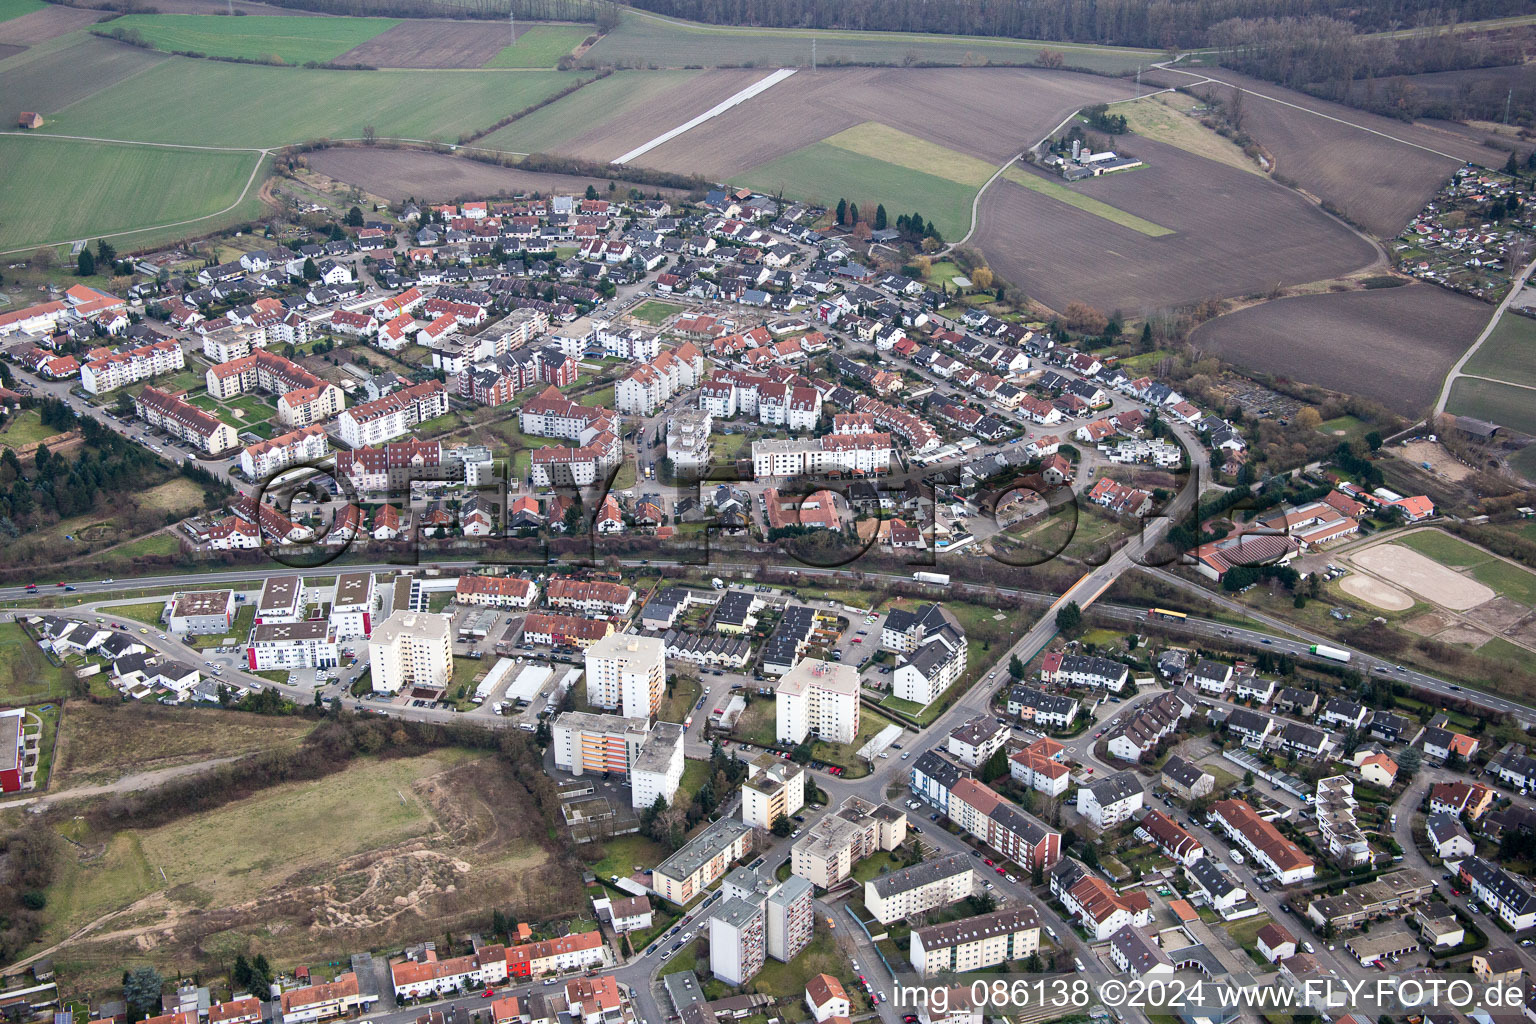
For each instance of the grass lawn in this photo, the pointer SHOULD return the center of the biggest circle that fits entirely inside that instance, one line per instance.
(1506, 354)
(175, 495)
(1512, 581)
(824, 173)
(26, 674)
(695, 774)
(1246, 934)
(1060, 192)
(678, 704)
(112, 188)
(653, 312)
(821, 956)
(147, 612)
(224, 104)
(592, 105)
(155, 544)
(1445, 549)
(16, 8)
(290, 40)
(26, 427)
(1524, 461)
(625, 855)
(1489, 400)
(845, 753)
(1348, 427)
(541, 46)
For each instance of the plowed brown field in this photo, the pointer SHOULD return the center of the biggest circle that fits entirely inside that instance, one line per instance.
(430, 44)
(433, 177)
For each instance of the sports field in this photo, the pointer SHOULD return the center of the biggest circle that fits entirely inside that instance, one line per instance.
(1509, 353)
(540, 46)
(224, 104)
(111, 187)
(824, 173)
(670, 43)
(1511, 581)
(1423, 576)
(291, 40)
(1088, 204)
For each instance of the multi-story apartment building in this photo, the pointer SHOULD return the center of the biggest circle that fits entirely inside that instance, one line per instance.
(396, 413)
(973, 742)
(352, 605)
(609, 744)
(868, 453)
(1110, 800)
(827, 853)
(203, 612)
(773, 788)
(282, 599)
(1506, 894)
(303, 398)
(1341, 835)
(738, 941)
(975, 943)
(688, 441)
(184, 421)
(920, 888)
(98, 376)
(304, 446)
(626, 672)
(821, 698)
(278, 646)
(410, 650)
(566, 466)
(791, 918)
(701, 860)
(556, 956)
(328, 1000)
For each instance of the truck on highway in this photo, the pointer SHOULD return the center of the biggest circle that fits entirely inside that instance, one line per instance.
(1331, 653)
(941, 578)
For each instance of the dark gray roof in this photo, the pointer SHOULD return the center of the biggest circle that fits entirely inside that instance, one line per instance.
(921, 874)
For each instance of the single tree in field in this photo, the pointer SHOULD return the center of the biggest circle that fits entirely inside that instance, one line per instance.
(354, 218)
(85, 263)
(853, 213)
(842, 212)
(591, 191)
(880, 217)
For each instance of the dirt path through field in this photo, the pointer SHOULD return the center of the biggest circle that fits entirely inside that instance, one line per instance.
(126, 784)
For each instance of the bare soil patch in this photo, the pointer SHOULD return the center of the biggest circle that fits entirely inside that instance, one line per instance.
(429, 44)
(1233, 234)
(1428, 624)
(49, 23)
(1375, 592)
(1441, 461)
(1377, 180)
(396, 174)
(1461, 633)
(1390, 344)
(991, 113)
(1421, 575)
(1500, 614)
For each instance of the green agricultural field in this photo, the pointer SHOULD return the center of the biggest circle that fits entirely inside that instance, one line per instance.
(112, 188)
(1087, 204)
(882, 142)
(669, 43)
(1510, 581)
(824, 173)
(1509, 353)
(290, 40)
(16, 8)
(540, 46)
(26, 674)
(1500, 403)
(547, 128)
(224, 104)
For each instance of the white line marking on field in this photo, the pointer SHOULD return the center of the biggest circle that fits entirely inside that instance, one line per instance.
(760, 86)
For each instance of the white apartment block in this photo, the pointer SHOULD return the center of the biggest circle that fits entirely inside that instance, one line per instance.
(396, 413)
(304, 446)
(834, 453)
(773, 787)
(352, 605)
(820, 698)
(410, 649)
(975, 943)
(738, 941)
(791, 918)
(701, 861)
(279, 646)
(658, 771)
(825, 856)
(628, 673)
(1111, 800)
(920, 888)
(122, 368)
(688, 440)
